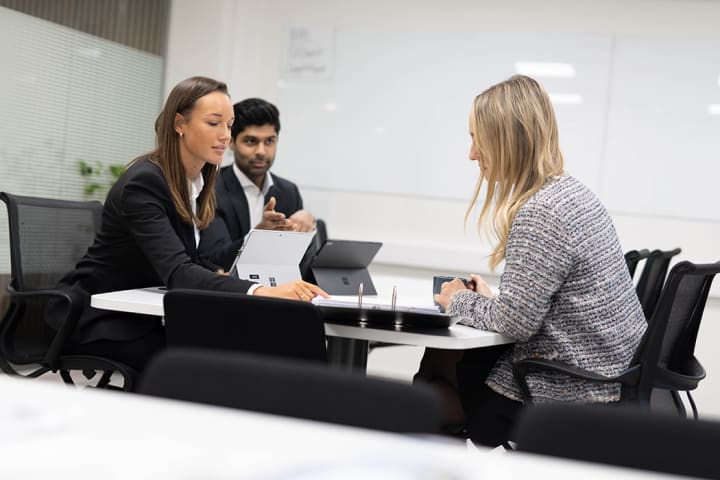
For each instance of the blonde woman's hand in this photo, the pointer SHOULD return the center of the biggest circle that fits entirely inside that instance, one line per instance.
(297, 290)
(447, 290)
(481, 286)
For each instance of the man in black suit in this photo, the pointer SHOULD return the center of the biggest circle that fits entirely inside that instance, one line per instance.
(248, 195)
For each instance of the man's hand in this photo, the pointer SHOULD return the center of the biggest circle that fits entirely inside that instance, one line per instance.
(272, 220)
(302, 221)
(297, 290)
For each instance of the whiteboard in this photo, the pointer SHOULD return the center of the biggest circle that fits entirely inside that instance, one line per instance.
(663, 147)
(393, 118)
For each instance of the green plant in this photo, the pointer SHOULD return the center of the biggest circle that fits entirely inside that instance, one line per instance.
(93, 174)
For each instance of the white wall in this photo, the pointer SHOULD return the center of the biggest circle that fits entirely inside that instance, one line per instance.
(242, 43)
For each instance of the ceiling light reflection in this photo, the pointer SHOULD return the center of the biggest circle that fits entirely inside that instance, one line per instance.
(565, 98)
(545, 69)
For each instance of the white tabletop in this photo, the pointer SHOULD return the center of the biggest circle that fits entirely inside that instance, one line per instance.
(458, 337)
(52, 431)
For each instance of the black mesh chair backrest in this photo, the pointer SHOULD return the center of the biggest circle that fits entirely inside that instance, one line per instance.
(234, 321)
(669, 342)
(633, 258)
(652, 279)
(298, 389)
(47, 238)
(621, 437)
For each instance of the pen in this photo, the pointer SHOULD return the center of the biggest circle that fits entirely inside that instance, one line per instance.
(394, 297)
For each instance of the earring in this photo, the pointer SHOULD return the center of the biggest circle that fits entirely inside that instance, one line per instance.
(181, 134)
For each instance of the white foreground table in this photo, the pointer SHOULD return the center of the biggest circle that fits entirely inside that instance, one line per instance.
(52, 431)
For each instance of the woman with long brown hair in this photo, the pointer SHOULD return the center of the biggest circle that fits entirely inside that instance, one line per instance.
(565, 292)
(153, 219)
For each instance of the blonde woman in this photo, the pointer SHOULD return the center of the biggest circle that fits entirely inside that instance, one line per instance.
(564, 293)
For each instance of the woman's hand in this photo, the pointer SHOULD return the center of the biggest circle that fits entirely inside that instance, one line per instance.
(481, 286)
(297, 290)
(448, 289)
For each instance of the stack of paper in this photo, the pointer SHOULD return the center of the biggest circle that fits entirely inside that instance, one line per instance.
(372, 304)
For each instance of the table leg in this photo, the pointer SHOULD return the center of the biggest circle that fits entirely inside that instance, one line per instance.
(347, 353)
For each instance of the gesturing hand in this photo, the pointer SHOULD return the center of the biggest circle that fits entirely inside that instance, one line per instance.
(302, 221)
(272, 220)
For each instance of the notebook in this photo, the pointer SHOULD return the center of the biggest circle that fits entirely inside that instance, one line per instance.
(271, 257)
(341, 266)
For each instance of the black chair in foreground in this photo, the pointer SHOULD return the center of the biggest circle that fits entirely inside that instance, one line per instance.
(621, 436)
(633, 258)
(298, 389)
(652, 279)
(47, 238)
(233, 321)
(665, 358)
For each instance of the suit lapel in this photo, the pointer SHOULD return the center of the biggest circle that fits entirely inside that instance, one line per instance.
(237, 199)
(187, 233)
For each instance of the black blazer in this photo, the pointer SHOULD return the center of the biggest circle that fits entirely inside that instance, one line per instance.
(141, 242)
(232, 215)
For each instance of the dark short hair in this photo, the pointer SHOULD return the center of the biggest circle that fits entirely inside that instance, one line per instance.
(256, 112)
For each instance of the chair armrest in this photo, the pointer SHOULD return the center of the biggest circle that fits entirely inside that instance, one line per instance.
(687, 379)
(523, 367)
(66, 327)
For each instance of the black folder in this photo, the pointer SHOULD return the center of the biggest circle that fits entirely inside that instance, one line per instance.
(340, 266)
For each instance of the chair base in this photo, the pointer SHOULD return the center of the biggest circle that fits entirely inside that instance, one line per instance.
(80, 363)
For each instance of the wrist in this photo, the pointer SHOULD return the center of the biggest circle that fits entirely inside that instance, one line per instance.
(256, 289)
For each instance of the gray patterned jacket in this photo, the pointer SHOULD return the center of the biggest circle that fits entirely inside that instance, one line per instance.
(565, 294)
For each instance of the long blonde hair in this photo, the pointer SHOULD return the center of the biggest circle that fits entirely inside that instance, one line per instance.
(515, 132)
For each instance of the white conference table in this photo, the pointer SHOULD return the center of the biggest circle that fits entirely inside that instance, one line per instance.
(52, 431)
(347, 344)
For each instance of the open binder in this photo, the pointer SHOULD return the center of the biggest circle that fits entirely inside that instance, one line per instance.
(359, 311)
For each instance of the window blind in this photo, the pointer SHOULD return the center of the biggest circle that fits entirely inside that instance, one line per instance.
(68, 97)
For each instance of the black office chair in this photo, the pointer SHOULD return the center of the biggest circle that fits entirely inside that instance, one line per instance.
(622, 437)
(652, 279)
(234, 321)
(297, 389)
(665, 357)
(47, 238)
(633, 258)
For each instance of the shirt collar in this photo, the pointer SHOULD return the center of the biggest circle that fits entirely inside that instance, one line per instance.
(245, 182)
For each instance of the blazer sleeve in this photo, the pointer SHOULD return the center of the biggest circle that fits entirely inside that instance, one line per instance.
(146, 210)
(216, 245)
(528, 282)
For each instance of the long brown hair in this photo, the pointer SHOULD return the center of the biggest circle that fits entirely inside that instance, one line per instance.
(166, 155)
(515, 132)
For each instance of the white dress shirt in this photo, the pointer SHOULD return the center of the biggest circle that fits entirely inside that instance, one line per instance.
(254, 195)
(195, 186)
